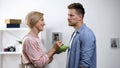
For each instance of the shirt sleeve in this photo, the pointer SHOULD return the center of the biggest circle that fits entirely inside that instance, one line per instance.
(34, 53)
(87, 49)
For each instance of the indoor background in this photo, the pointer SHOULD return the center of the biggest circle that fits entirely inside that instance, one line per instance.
(102, 16)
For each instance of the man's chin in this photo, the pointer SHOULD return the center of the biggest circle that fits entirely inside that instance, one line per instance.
(70, 25)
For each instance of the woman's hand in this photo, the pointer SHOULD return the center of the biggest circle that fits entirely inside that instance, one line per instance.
(57, 44)
(52, 51)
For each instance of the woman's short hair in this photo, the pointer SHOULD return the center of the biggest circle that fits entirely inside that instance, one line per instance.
(33, 17)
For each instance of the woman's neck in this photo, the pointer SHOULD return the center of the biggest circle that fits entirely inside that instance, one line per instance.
(34, 32)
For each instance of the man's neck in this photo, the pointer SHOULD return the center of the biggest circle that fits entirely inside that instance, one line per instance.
(78, 25)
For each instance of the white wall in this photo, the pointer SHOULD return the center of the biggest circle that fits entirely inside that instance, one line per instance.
(0, 40)
(102, 16)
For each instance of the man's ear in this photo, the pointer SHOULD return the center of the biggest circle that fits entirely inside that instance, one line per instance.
(80, 16)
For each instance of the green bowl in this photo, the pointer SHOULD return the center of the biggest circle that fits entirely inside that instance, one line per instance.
(63, 48)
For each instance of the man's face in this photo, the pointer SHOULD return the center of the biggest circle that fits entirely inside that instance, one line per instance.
(73, 17)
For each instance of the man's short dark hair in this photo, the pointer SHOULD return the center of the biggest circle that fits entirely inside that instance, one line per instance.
(78, 7)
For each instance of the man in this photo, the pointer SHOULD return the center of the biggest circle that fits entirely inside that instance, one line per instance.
(82, 48)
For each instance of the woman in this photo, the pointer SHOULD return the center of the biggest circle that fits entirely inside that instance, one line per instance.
(33, 53)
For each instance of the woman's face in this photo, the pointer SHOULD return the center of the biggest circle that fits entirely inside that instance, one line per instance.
(40, 24)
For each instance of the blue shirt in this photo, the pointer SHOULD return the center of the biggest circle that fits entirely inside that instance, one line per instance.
(83, 49)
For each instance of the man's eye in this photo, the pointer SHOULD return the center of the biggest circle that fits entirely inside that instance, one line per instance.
(70, 15)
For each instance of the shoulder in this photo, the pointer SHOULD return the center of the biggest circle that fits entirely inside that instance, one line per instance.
(85, 30)
(86, 33)
(28, 39)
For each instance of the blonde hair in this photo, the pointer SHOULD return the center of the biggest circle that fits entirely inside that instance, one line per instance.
(32, 18)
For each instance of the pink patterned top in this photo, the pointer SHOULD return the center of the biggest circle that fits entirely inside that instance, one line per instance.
(32, 53)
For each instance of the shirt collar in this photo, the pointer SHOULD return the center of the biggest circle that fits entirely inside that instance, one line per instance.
(81, 28)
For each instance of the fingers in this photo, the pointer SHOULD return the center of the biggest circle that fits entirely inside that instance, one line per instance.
(59, 43)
